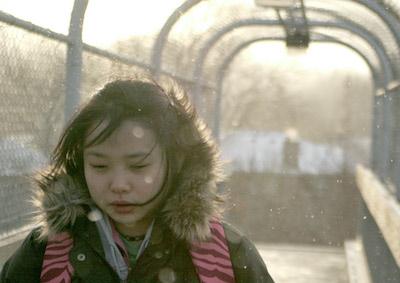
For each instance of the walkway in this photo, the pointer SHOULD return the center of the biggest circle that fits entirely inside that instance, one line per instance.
(312, 264)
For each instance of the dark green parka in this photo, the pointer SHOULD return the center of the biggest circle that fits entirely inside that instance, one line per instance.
(164, 260)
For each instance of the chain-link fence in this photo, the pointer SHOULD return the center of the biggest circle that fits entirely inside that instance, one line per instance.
(33, 74)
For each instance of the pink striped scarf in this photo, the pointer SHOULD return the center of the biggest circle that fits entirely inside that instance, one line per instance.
(211, 259)
(56, 266)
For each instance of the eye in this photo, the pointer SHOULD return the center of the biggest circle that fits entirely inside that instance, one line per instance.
(138, 166)
(99, 167)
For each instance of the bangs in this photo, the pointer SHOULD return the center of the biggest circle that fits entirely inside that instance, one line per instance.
(110, 125)
(104, 128)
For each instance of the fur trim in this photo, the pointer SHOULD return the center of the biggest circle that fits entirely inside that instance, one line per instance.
(195, 201)
(187, 212)
(59, 202)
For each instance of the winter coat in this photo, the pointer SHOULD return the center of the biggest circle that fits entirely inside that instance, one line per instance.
(166, 259)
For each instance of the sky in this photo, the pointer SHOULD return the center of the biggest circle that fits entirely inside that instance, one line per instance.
(318, 56)
(105, 21)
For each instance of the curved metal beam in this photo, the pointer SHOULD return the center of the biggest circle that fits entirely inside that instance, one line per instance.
(383, 112)
(228, 60)
(356, 29)
(386, 16)
(158, 46)
(392, 23)
(377, 77)
(337, 17)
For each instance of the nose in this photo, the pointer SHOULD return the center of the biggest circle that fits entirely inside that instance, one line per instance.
(119, 183)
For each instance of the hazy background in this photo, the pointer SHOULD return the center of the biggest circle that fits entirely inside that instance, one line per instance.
(294, 124)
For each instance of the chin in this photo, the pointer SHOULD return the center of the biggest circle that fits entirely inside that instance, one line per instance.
(131, 219)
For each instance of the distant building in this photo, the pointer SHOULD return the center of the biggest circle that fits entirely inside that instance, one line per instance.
(275, 152)
(19, 159)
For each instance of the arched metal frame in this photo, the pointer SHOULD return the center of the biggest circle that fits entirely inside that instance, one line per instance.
(385, 15)
(389, 20)
(357, 30)
(231, 56)
(340, 18)
(381, 133)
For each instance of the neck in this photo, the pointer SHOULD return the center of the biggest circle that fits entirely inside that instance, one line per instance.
(134, 238)
(133, 230)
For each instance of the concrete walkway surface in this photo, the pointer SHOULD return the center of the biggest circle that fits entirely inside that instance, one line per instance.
(305, 264)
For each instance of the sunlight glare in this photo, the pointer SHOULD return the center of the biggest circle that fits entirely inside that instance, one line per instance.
(109, 21)
(318, 56)
(105, 21)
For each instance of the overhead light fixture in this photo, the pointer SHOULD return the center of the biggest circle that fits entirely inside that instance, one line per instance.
(294, 20)
(298, 37)
(276, 3)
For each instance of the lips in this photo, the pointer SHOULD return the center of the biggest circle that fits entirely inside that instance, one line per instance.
(122, 207)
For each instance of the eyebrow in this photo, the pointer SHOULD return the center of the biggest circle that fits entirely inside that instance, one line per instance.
(129, 156)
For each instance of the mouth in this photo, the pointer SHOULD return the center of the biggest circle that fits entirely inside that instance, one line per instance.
(122, 207)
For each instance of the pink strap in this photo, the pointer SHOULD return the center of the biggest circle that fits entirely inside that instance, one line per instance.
(212, 258)
(56, 267)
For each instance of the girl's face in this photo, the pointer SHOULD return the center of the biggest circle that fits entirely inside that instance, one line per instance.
(126, 169)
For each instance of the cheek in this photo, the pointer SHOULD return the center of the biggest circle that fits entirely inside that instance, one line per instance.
(157, 179)
(92, 182)
(96, 191)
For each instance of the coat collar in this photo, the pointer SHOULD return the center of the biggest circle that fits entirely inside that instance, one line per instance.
(87, 231)
(192, 203)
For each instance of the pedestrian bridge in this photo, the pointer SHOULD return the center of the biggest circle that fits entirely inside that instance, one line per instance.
(301, 95)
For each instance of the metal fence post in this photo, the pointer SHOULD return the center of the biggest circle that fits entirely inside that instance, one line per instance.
(74, 58)
(158, 47)
(395, 153)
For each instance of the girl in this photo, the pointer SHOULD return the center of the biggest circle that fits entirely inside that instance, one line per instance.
(131, 196)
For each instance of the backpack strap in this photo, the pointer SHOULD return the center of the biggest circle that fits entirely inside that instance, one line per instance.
(211, 258)
(56, 267)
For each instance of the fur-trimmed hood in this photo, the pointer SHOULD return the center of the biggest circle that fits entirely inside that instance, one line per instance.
(194, 200)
